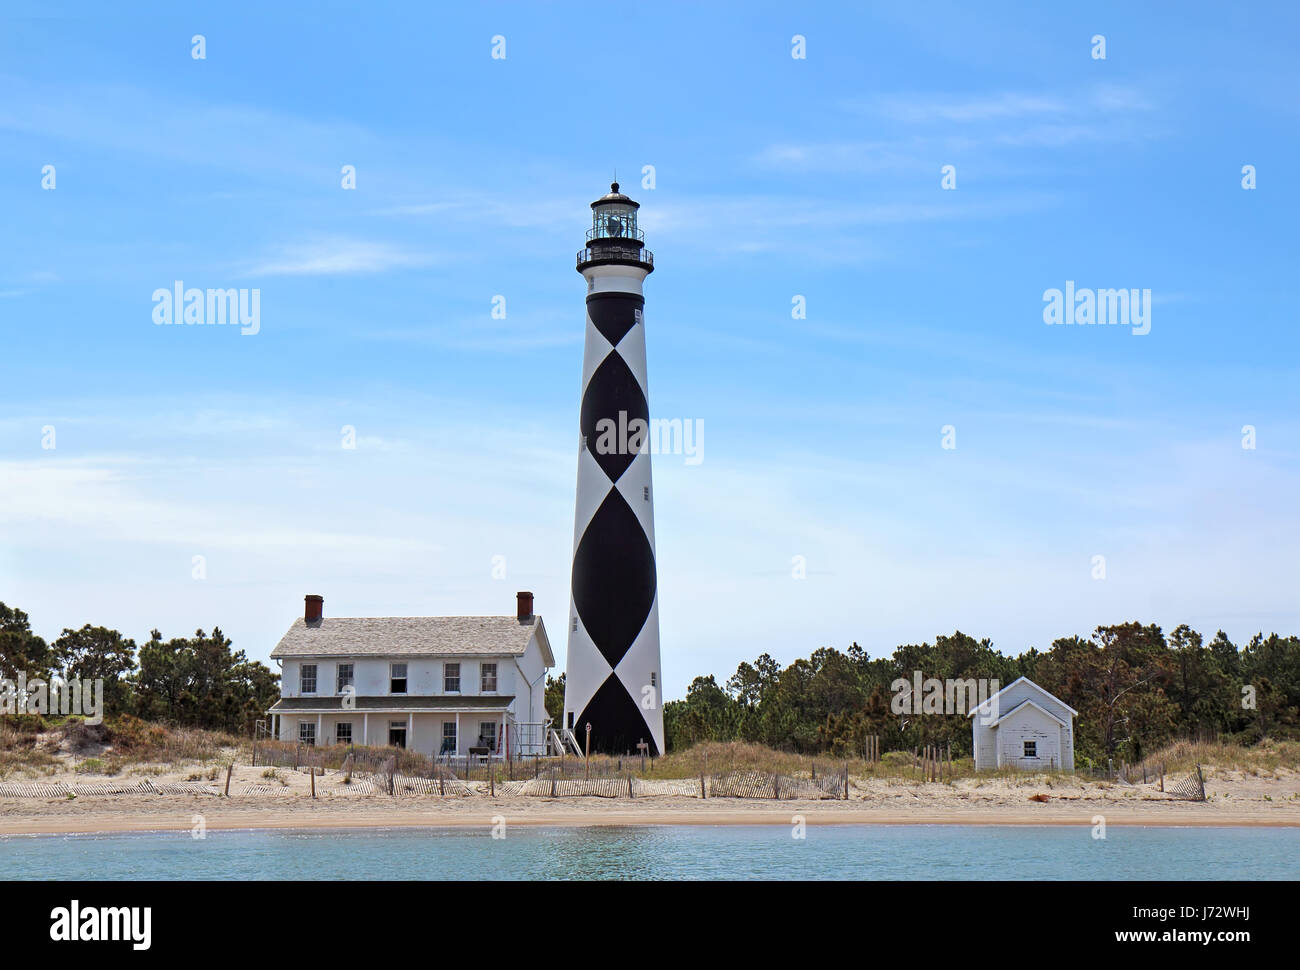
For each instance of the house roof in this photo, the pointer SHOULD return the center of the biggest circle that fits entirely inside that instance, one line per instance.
(413, 636)
(1042, 690)
(1028, 703)
(409, 702)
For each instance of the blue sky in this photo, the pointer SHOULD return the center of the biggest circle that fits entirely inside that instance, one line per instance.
(774, 177)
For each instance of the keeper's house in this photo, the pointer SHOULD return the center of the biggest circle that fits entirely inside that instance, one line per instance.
(1023, 726)
(440, 685)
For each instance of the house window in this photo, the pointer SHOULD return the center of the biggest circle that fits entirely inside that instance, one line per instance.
(345, 678)
(307, 679)
(451, 678)
(397, 679)
(306, 732)
(343, 732)
(488, 679)
(1031, 749)
(487, 734)
(448, 737)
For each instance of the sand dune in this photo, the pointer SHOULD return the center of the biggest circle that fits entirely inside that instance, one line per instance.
(284, 801)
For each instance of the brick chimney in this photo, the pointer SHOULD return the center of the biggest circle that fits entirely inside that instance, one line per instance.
(315, 608)
(525, 600)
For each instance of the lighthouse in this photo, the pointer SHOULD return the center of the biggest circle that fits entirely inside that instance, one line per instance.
(613, 680)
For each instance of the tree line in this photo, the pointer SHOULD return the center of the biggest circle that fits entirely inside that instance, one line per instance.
(1135, 689)
(196, 681)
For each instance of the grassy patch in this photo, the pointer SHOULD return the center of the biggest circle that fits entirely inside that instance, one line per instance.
(1266, 756)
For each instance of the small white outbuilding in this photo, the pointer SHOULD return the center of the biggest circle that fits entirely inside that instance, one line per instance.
(1023, 726)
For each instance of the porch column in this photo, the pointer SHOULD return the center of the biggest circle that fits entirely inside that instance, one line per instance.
(365, 729)
(458, 732)
(320, 738)
(410, 731)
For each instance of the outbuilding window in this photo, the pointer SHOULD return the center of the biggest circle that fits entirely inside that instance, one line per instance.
(1031, 749)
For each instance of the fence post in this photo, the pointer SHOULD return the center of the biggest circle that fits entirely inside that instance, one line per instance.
(703, 793)
(312, 769)
(630, 793)
(846, 779)
(552, 782)
(492, 779)
(229, 768)
(776, 786)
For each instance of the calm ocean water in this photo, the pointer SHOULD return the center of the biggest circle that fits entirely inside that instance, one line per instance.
(666, 852)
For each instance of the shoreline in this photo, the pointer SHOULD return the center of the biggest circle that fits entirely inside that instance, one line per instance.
(594, 817)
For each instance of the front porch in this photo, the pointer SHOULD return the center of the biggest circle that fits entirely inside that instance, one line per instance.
(482, 728)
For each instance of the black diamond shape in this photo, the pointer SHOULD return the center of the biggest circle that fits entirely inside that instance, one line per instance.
(617, 723)
(614, 314)
(613, 577)
(613, 388)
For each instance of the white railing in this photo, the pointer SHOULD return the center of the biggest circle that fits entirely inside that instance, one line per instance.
(529, 738)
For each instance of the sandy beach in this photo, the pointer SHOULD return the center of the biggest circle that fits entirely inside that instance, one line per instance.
(284, 800)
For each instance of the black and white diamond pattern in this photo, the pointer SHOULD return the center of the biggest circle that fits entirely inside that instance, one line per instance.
(612, 674)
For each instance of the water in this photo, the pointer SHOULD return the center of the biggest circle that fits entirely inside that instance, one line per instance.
(666, 852)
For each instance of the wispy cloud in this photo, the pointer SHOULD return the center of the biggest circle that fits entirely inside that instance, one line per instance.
(913, 130)
(920, 109)
(338, 256)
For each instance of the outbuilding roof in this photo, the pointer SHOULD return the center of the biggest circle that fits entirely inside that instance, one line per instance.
(1042, 690)
(1021, 706)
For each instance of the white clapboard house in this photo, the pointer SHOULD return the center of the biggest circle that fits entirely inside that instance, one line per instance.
(1023, 726)
(440, 685)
